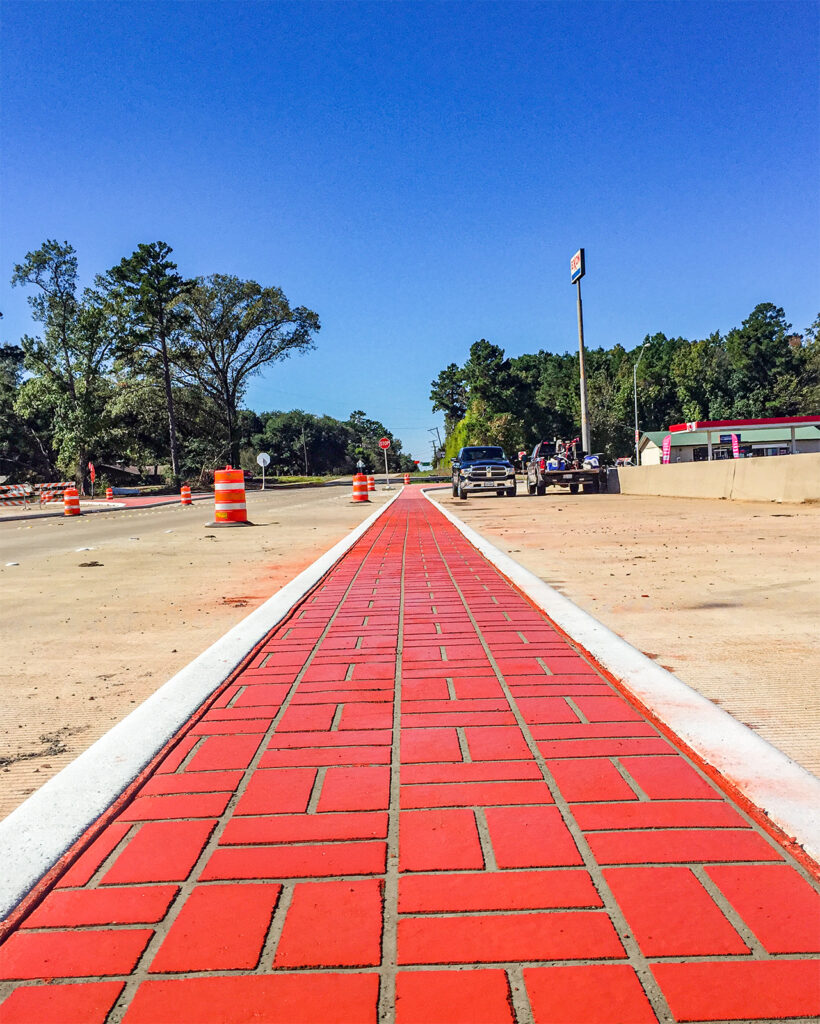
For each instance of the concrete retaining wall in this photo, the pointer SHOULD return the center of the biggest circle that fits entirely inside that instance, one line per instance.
(789, 478)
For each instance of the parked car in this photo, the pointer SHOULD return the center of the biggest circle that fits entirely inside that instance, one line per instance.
(483, 468)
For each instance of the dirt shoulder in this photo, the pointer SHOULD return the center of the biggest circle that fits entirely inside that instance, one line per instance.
(101, 611)
(723, 594)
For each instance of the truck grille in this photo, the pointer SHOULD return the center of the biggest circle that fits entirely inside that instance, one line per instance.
(489, 473)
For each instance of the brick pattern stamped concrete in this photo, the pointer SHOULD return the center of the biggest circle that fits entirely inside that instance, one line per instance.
(420, 803)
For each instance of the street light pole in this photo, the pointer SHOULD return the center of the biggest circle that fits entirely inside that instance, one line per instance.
(577, 269)
(635, 393)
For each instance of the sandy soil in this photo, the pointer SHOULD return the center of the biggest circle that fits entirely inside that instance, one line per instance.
(101, 611)
(723, 594)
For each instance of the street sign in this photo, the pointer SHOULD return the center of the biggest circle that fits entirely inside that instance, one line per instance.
(263, 459)
(360, 465)
(384, 444)
(577, 267)
(92, 472)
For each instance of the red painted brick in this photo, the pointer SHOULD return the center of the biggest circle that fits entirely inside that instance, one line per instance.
(332, 924)
(453, 997)
(366, 716)
(176, 805)
(86, 1003)
(219, 928)
(102, 906)
(302, 828)
(361, 694)
(579, 935)
(540, 710)
(497, 744)
(438, 840)
(424, 707)
(583, 731)
(590, 778)
(530, 837)
(174, 758)
(780, 907)
(608, 709)
(455, 718)
(741, 990)
(162, 851)
(221, 752)
(192, 782)
(268, 694)
(671, 914)
(355, 789)
(277, 791)
(313, 861)
(496, 890)
(615, 747)
(348, 738)
(669, 778)
(306, 718)
(476, 686)
(681, 846)
(324, 756)
(470, 771)
(430, 745)
(594, 994)
(480, 794)
(278, 999)
(222, 724)
(657, 814)
(72, 953)
(87, 863)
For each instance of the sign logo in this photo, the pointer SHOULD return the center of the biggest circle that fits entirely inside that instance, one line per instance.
(666, 450)
(384, 443)
(577, 267)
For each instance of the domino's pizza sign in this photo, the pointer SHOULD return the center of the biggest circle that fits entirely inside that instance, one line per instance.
(576, 267)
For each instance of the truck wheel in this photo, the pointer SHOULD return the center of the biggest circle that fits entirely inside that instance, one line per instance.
(590, 488)
(530, 488)
(455, 489)
(511, 491)
(573, 488)
(541, 489)
(461, 492)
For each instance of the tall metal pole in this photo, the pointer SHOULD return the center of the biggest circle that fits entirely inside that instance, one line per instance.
(586, 443)
(635, 393)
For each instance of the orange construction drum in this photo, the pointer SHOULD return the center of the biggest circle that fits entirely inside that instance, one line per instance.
(360, 487)
(229, 495)
(185, 495)
(71, 502)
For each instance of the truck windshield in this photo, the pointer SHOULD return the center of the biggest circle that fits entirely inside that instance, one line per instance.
(474, 454)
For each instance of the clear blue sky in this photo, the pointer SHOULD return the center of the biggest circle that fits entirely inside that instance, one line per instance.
(420, 174)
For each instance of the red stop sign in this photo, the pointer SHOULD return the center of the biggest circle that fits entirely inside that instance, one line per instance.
(384, 443)
(92, 472)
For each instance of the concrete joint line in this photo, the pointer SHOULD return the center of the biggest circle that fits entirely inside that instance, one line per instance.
(35, 835)
(786, 793)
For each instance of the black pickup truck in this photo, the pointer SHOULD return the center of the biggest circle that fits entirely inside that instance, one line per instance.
(483, 468)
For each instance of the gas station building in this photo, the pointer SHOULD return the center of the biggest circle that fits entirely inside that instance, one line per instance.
(711, 440)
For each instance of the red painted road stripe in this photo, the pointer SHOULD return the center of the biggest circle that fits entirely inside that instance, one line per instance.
(420, 799)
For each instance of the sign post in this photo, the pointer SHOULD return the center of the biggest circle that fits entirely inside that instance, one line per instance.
(264, 460)
(384, 444)
(577, 269)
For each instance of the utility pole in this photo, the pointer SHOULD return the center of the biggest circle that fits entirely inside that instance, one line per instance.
(577, 268)
(635, 393)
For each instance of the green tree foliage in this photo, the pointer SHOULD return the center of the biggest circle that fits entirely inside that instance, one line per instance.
(448, 393)
(759, 369)
(144, 291)
(233, 330)
(67, 365)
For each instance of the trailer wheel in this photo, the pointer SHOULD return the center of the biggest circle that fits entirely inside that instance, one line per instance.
(573, 488)
(590, 488)
(541, 488)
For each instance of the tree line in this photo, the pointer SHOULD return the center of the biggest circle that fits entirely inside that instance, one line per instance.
(149, 368)
(759, 369)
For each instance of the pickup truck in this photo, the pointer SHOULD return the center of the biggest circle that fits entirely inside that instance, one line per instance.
(560, 464)
(482, 468)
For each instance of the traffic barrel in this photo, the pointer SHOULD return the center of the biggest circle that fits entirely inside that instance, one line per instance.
(406, 478)
(360, 487)
(229, 495)
(109, 493)
(71, 502)
(185, 495)
(371, 484)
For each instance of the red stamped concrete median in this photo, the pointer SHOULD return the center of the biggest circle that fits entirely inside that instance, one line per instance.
(420, 802)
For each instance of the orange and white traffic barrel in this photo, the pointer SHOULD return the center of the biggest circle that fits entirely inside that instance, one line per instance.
(371, 484)
(360, 487)
(185, 495)
(109, 493)
(406, 478)
(229, 494)
(71, 502)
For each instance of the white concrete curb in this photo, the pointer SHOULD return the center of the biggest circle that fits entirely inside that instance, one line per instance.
(780, 787)
(35, 835)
